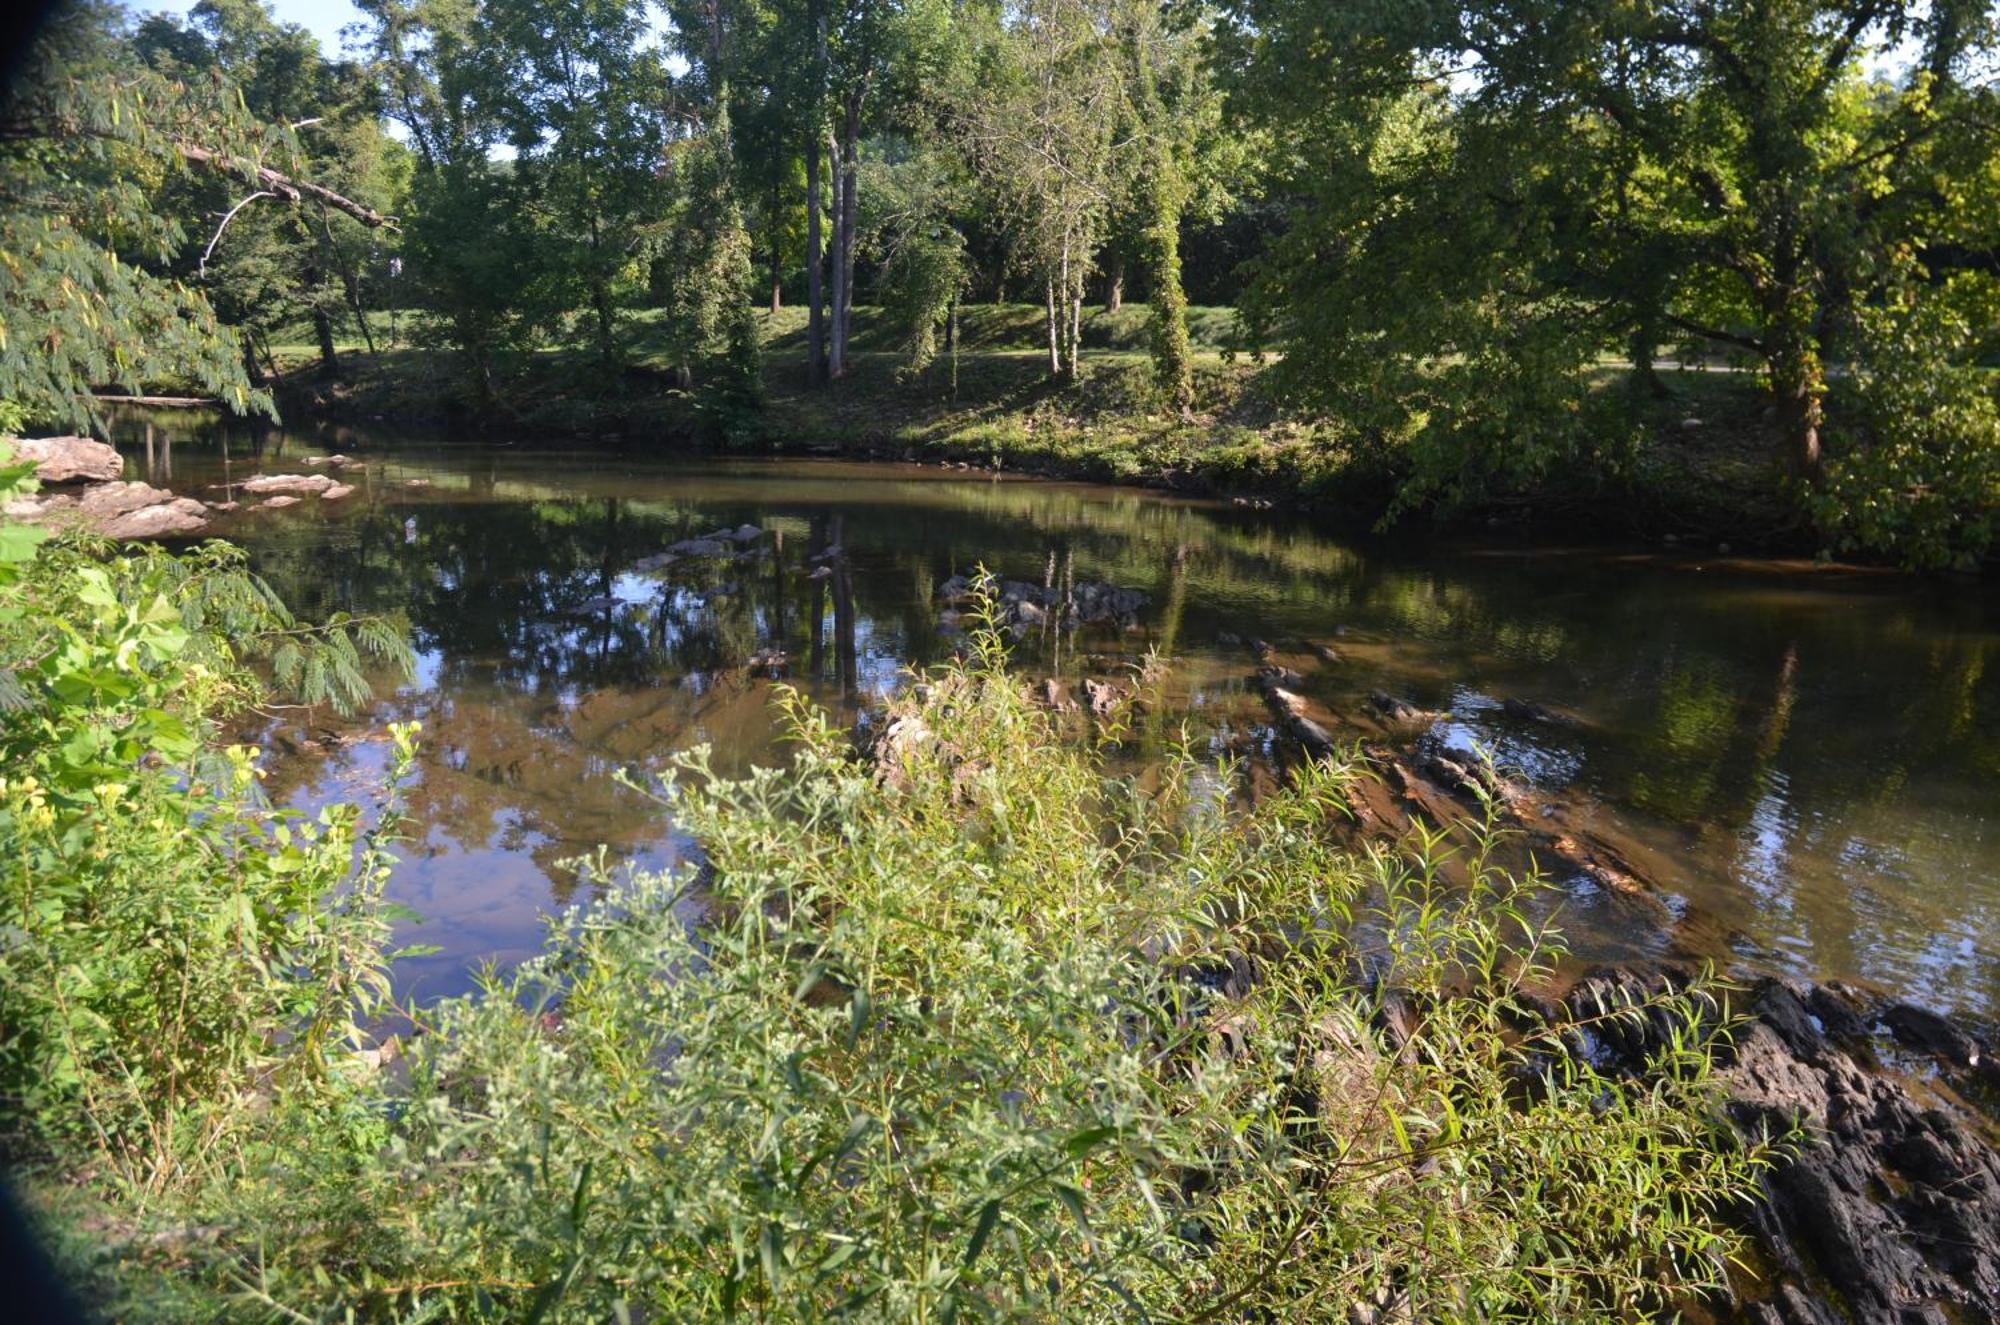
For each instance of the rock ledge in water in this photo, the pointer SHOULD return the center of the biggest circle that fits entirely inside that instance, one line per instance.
(70, 459)
(1890, 1210)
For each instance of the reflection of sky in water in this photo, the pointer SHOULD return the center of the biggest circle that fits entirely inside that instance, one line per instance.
(1812, 762)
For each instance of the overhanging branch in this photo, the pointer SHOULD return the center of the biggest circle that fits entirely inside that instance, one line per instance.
(284, 186)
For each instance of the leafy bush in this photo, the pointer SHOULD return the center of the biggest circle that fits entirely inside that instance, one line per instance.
(1922, 484)
(974, 1031)
(163, 926)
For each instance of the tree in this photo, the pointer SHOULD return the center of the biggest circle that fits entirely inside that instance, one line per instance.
(1493, 194)
(477, 258)
(914, 194)
(85, 141)
(1174, 108)
(266, 267)
(1040, 118)
(581, 99)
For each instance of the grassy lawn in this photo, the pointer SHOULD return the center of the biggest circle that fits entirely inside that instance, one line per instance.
(1705, 471)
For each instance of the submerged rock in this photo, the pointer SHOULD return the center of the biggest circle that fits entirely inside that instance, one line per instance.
(711, 546)
(70, 459)
(287, 484)
(1399, 710)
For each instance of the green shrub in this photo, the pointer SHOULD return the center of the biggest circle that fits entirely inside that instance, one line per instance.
(977, 1032)
(161, 927)
(966, 1030)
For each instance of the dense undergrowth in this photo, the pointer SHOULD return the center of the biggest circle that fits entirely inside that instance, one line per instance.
(971, 1030)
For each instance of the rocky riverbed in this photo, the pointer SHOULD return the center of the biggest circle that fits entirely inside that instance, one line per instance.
(82, 485)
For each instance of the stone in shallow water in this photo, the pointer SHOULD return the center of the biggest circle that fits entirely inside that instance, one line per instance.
(278, 503)
(111, 500)
(337, 491)
(70, 459)
(293, 484)
(180, 515)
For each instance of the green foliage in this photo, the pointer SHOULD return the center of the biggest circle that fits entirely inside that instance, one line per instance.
(976, 1029)
(1920, 477)
(1499, 195)
(164, 927)
(911, 195)
(261, 263)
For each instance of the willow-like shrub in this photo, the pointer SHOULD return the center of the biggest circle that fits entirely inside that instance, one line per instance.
(973, 1031)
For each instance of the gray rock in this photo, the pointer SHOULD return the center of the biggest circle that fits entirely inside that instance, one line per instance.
(748, 533)
(70, 459)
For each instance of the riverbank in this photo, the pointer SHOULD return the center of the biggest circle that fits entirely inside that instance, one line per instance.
(1705, 479)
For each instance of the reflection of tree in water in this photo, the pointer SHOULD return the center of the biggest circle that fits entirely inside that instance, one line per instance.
(1796, 716)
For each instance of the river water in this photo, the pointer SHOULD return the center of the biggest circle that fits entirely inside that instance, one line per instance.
(1804, 760)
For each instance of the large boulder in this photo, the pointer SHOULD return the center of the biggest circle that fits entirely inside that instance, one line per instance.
(70, 459)
(116, 510)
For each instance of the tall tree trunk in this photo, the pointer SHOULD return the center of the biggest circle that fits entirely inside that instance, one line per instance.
(815, 267)
(1798, 374)
(1055, 339)
(1075, 330)
(1801, 388)
(353, 285)
(777, 248)
(850, 211)
(607, 338)
(836, 332)
(951, 344)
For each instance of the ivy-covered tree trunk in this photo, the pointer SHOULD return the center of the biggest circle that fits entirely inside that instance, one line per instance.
(1173, 358)
(1798, 377)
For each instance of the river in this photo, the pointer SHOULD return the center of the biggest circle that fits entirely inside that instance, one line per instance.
(1804, 760)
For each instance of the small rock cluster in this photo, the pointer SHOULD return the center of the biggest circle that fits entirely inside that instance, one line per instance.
(84, 488)
(1023, 606)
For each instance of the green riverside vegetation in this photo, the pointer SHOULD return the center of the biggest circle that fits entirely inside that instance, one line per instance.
(970, 1029)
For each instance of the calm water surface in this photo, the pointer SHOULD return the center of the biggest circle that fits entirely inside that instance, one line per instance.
(1807, 761)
